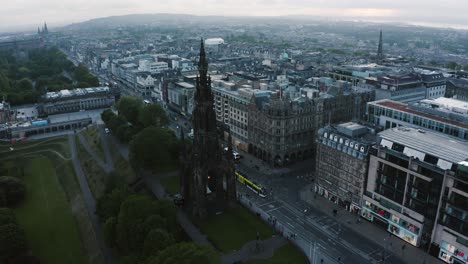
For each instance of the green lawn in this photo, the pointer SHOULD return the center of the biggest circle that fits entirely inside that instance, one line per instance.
(232, 229)
(287, 254)
(46, 216)
(171, 184)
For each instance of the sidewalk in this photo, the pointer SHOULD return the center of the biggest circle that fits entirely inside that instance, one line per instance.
(393, 244)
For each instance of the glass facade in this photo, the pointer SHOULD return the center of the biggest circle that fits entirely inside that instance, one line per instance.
(375, 111)
(397, 226)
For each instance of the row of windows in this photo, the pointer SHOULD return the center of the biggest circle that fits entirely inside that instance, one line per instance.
(416, 120)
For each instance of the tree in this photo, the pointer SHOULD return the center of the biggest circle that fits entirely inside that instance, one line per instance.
(452, 65)
(24, 84)
(12, 241)
(155, 149)
(154, 221)
(129, 107)
(12, 191)
(125, 133)
(106, 115)
(84, 77)
(155, 241)
(185, 253)
(153, 115)
(80, 72)
(83, 85)
(130, 229)
(116, 121)
(108, 205)
(4, 82)
(465, 68)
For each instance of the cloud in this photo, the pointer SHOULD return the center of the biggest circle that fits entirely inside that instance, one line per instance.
(34, 12)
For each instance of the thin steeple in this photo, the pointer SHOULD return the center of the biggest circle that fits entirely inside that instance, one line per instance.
(380, 50)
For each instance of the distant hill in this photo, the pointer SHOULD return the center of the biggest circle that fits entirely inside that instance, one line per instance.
(178, 19)
(155, 19)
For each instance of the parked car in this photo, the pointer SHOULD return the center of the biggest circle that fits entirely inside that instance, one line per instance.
(107, 130)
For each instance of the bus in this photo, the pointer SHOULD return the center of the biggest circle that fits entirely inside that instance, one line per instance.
(256, 188)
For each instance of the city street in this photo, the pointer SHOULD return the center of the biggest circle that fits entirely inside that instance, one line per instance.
(310, 225)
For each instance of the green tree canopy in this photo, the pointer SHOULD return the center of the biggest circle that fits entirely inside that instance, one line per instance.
(12, 191)
(106, 115)
(452, 65)
(109, 204)
(155, 241)
(24, 84)
(185, 253)
(139, 214)
(129, 107)
(153, 115)
(131, 228)
(4, 82)
(84, 77)
(154, 148)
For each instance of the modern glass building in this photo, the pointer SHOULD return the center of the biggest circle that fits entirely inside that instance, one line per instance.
(410, 187)
(445, 115)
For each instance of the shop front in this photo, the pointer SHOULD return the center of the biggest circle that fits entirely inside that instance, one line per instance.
(451, 254)
(349, 206)
(392, 223)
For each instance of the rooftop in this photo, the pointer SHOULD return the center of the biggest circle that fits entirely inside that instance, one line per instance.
(454, 105)
(75, 92)
(444, 147)
(404, 108)
(185, 85)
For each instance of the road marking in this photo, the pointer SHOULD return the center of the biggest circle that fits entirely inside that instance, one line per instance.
(263, 204)
(289, 224)
(273, 209)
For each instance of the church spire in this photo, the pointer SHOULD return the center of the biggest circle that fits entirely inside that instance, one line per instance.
(380, 50)
(202, 63)
(203, 81)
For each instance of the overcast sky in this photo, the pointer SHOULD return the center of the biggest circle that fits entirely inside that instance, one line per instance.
(14, 13)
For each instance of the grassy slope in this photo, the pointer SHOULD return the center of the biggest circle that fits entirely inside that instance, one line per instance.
(47, 218)
(287, 254)
(95, 175)
(91, 134)
(243, 227)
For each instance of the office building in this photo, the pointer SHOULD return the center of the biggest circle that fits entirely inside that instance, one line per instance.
(408, 172)
(342, 163)
(445, 115)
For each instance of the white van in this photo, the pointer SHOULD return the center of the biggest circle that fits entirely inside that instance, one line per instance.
(236, 156)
